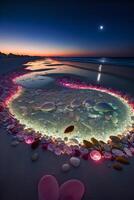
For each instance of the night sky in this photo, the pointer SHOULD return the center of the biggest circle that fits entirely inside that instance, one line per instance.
(67, 28)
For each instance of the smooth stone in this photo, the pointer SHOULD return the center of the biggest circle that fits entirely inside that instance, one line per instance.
(128, 152)
(35, 156)
(106, 147)
(65, 139)
(132, 150)
(69, 129)
(87, 144)
(131, 140)
(107, 155)
(84, 150)
(66, 167)
(77, 153)
(58, 151)
(93, 116)
(75, 161)
(122, 160)
(72, 189)
(67, 150)
(20, 138)
(48, 188)
(75, 141)
(85, 156)
(117, 166)
(50, 147)
(117, 152)
(114, 139)
(124, 139)
(95, 141)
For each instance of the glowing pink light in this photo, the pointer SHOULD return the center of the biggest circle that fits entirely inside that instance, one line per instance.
(29, 139)
(79, 85)
(107, 155)
(15, 94)
(95, 155)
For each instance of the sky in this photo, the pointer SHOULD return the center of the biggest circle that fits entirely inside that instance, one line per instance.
(67, 27)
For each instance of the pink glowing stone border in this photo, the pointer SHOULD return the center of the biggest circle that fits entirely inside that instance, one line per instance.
(82, 86)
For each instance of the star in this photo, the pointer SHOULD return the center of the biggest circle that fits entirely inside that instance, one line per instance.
(101, 27)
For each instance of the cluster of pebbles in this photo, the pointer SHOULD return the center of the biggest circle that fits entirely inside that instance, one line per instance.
(117, 148)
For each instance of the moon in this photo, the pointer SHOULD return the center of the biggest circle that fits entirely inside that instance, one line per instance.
(101, 27)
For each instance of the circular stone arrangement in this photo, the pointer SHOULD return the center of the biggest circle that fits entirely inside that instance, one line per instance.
(75, 118)
(73, 115)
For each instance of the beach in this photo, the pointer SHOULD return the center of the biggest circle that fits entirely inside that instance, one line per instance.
(19, 176)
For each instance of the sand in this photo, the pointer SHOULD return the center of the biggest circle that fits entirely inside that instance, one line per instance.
(19, 176)
(125, 72)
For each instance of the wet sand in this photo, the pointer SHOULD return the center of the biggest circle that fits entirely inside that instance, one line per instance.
(19, 176)
(125, 72)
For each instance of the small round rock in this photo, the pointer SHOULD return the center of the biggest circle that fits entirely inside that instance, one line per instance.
(75, 161)
(35, 156)
(65, 167)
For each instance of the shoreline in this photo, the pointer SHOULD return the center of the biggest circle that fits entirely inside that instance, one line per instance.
(115, 70)
(19, 176)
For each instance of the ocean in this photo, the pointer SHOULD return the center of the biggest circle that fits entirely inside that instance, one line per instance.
(129, 62)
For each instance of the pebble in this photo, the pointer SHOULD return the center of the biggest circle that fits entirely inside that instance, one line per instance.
(87, 144)
(83, 150)
(58, 151)
(117, 166)
(128, 152)
(77, 153)
(50, 147)
(122, 160)
(106, 147)
(115, 139)
(124, 140)
(131, 140)
(35, 156)
(85, 156)
(75, 141)
(132, 150)
(95, 142)
(107, 155)
(75, 161)
(69, 129)
(67, 150)
(66, 167)
(117, 152)
(20, 138)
